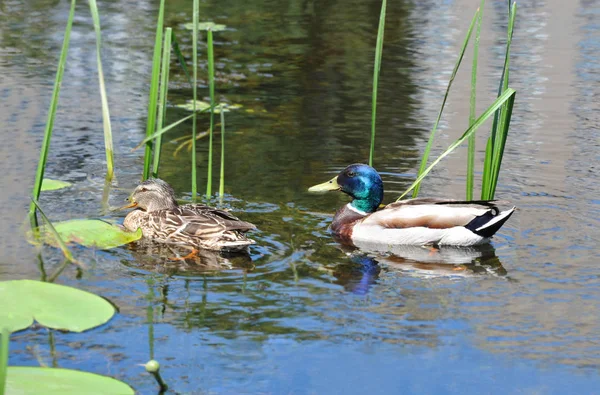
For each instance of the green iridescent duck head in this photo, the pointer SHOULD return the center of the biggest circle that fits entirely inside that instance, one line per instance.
(361, 182)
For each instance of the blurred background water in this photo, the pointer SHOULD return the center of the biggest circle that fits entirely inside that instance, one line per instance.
(303, 314)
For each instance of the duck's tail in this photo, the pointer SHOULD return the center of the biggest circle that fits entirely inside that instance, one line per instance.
(486, 225)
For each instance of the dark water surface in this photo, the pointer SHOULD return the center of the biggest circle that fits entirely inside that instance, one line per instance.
(302, 314)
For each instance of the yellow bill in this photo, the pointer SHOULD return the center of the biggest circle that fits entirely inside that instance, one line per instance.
(132, 204)
(330, 185)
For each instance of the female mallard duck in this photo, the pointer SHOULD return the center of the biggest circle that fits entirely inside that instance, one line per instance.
(162, 219)
(414, 221)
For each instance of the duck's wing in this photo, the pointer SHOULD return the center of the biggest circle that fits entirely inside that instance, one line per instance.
(430, 213)
(205, 221)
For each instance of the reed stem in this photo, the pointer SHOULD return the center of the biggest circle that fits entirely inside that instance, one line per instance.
(195, 16)
(222, 172)
(376, 71)
(108, 140)
(162, 101)
(472, 107)
(39, 175)
(154, 83)
(211, 88)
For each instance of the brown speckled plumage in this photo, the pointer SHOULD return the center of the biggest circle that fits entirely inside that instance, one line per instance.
(163, 220)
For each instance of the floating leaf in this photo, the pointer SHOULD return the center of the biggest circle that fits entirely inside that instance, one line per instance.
(51, 381)
(52, 185)
(215, 27)
(52, 305)
(91, 233)
(202, 105)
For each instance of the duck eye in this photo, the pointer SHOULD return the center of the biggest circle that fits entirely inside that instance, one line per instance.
(143, 189)
(351, 174)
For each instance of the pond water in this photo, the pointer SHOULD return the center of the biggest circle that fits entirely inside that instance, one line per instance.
(302, 314)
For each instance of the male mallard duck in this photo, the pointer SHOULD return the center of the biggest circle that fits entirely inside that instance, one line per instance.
(162, 219)
(414, 221)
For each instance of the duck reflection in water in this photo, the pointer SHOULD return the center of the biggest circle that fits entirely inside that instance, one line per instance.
(174, 259)
(368, 260)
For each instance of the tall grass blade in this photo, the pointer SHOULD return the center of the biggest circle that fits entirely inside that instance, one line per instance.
(211, 88)
(4, 344)
(497, 140)
(195, 16)
(222, 172)
(435, 126)
(151, 121)
(180, 58)
(472, 107)
(508, 95)
(162, 101)
(376, 70)
(108, 141)
(39, 175)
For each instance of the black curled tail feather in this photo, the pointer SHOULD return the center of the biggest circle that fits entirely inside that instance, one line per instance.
(487, 224)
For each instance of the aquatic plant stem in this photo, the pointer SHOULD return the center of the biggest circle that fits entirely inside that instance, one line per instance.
(195, 16)
(376, 71)
(108, 141)
(211, 89)
(222, 172)
(162, 101)
(4, 346)
(435, 126)
(472, 107)
(154, 82)
(39, 175)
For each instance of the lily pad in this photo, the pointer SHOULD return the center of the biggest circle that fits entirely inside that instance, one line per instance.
(215, 27)
(51, 381)
(52, 305)
(202, 105)
(52, 185)
(91, 233)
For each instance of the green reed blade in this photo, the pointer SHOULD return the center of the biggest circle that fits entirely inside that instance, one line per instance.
(487, 168)
(497, 140)
(501, 139)
(108, 141)
(4, 344)
(222, 172)
(195, 16)
(211, 88)
(435, 126)
(376, 70)
(509, 94)
(162, 100)
(39, 174)
(472, 107)
(180, 58)
(63, 247)
(155, 79)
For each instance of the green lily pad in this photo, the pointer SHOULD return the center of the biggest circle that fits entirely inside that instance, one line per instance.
(54, 381)
(91, 233)
(202, 105)
(215, 27)
(52, 305)
(52, 185)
